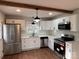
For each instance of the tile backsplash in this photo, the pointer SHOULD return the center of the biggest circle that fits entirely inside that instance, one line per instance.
(76, 34)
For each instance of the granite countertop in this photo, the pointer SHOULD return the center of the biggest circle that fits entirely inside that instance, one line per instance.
(72, 42)
(31, 37)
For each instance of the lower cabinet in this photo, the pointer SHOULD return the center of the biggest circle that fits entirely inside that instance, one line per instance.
(51, 43)
(30, 43)
(1, 49)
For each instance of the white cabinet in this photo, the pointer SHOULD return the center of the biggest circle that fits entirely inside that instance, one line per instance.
(30, 43)
(74, 19)
(51, 43)
(46, 25)
(2, 17)
(17, 21)
(1, 48)
(72, 50)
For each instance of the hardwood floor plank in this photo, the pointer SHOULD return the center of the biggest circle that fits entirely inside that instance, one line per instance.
(44, 53)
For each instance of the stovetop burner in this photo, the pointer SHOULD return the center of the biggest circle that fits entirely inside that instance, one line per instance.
(65, 38)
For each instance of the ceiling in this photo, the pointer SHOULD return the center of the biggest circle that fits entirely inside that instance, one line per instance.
(26, 12)
(61, 4)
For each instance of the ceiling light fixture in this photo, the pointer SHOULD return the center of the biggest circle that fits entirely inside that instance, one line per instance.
(36, 19)
(50, 13)
(18, 10)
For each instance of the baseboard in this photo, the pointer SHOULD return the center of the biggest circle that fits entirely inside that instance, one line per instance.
(30, 49)
(2, 55)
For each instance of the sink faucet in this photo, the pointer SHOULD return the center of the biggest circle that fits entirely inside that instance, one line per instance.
(33, 34)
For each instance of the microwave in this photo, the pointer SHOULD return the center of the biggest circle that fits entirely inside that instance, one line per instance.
(63, 26)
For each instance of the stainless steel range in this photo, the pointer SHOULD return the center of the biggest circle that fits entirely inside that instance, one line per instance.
(59, 43)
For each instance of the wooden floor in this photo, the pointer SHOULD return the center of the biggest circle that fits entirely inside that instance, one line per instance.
(43, 53)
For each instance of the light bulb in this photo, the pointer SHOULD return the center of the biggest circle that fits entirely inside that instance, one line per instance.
(18, 10)
(50, 13)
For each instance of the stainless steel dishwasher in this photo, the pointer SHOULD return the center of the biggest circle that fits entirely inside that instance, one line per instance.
(44, 42)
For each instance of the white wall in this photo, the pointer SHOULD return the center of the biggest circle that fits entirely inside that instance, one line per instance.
(2, 17)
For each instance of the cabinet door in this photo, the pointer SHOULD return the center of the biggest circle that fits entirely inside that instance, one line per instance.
(73, 20)
(46, 25)
(37, 43)
(26, 44)
(1, 49)
(30, 43)
(51, 44)
(68, 53)
(23, 44)
(18, 21)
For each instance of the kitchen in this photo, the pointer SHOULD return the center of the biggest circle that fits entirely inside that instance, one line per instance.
(55, 36)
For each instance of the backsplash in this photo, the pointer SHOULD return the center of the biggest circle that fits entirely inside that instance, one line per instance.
(76, 34)
(46, 32)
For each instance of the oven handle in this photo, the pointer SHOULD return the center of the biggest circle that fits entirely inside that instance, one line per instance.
(59, 44)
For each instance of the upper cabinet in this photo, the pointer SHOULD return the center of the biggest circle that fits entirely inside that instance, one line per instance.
(53, 24)
(2, 17)
(17, 21)
(46, 25)
(1, 41)
(74, 19)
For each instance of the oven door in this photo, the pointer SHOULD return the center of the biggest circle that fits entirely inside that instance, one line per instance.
(59, 48)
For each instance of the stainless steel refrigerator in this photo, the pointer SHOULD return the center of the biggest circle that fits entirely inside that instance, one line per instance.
(11, 38)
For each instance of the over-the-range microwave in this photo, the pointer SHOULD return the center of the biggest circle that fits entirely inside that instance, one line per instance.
(64, 26)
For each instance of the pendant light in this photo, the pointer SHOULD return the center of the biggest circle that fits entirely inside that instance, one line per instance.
(36, 19)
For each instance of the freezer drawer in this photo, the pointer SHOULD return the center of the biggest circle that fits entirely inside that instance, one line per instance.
(12, 49)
